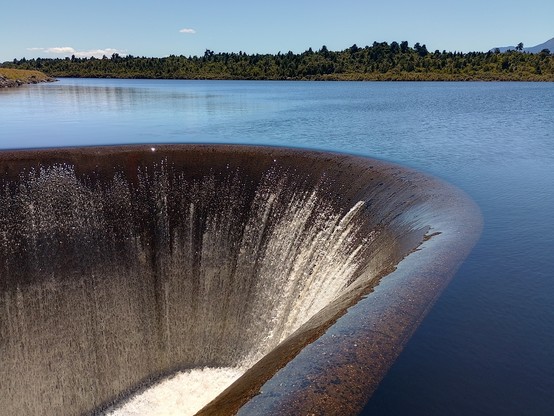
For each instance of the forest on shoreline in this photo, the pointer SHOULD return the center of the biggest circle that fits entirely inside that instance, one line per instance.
(379, 62)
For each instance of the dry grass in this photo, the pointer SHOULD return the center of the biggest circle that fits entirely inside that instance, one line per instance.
(22, 75)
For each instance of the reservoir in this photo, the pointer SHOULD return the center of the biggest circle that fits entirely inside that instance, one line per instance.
(485, 347)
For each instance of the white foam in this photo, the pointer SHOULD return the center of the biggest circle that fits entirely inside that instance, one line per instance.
(183, 394)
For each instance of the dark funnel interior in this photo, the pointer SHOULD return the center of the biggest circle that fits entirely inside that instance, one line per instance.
(119, 265)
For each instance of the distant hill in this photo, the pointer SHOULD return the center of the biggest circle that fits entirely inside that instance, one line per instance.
(549, 44)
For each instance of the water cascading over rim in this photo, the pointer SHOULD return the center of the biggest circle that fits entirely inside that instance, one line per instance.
(122, 264)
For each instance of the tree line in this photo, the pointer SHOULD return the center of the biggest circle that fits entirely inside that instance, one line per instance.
(380, 61)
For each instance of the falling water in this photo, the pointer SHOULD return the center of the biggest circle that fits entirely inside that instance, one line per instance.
(307, 266)
(120, 268)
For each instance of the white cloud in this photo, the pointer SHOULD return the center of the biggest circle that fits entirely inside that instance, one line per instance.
(187, 30)
(98, 53)
(61, 50)
(68, 50)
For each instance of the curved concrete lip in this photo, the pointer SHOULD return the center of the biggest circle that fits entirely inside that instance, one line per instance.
(334, 362)
(342, 354)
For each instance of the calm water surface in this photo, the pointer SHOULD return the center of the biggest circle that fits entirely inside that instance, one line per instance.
(487, 347)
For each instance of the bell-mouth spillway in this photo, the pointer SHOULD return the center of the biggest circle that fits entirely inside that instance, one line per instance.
(122, 264)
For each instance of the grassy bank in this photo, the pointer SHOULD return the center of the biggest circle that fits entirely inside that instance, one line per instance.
(14, 77)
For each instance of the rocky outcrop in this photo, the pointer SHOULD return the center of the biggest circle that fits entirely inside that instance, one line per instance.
(5, 82)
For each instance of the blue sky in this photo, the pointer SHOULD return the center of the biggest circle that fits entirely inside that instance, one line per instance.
(57, 28)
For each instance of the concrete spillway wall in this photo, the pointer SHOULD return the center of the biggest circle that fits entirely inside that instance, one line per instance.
(121, 264)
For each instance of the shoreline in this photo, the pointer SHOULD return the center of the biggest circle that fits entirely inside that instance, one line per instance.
(12, 78)
(320, 79)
